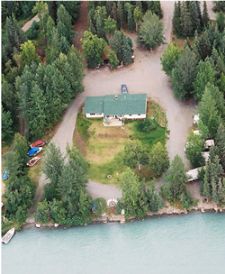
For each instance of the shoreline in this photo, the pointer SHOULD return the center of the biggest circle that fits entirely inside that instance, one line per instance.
(105, 218)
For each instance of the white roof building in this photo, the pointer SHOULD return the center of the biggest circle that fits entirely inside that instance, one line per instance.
(209, 143)
(192, 174)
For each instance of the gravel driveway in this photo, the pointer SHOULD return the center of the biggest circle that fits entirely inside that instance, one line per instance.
(144, 76)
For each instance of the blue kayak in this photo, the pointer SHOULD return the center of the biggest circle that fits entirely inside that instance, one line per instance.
(34, 151)
(5, 175)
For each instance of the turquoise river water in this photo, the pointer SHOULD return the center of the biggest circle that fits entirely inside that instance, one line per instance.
(191, 244)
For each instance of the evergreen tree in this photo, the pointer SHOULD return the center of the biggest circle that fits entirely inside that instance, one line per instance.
(177, 29)
(195, 14)
(135, 155)
(213, 187)
(24, 85)
(28, 53)
(7, 123)
(42, 214)
(50, 27)
(131, 192)
(122, 46)
(93, 47)
(120, 10)
(41, 9)
(72, 189)
(20, 147)
(205, 16)
(113, 60)
(14, 35)
(72, 7)
(186, 21)
(53, 167)
(219, 6)
(99, 17)
(54, 46)
(170, 57)
(76, 63)
(194, 148)
(153, 200)
(202, 45)
(64, 25)
(220, 143)
(150, 34)
(184, 73)
(156, 8)
(176, 177)
(9, 98)
(57, 211)
(158, 159)
(37, 113)
(208, 112)
(130, 17)
(109, 25)
(220, 21)
(137, 16)
(206, 74)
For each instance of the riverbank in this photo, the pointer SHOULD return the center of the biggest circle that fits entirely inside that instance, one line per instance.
(168, 210)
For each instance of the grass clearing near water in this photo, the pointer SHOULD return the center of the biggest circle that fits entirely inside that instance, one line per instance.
(103, 146)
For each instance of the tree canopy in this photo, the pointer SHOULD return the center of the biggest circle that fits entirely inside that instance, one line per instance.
(150, 33)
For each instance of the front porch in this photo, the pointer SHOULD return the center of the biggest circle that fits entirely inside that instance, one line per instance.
(112, 122)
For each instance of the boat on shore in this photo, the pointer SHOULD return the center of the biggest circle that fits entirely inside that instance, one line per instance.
(8, 236)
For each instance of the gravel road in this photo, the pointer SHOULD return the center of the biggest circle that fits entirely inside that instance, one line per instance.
(144, 76)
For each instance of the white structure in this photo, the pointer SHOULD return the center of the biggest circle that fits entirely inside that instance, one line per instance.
(193, 174)
(196, 119)
(209, 143)
(205, 155)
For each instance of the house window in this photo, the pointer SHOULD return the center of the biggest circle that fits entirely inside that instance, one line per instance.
(139, 114)
(92, 114)
(130, 114)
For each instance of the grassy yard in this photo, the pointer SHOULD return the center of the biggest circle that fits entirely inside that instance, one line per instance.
(103, 146)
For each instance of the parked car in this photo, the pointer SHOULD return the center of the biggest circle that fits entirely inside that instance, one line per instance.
(34, 151)
(38, 143)
(5, 175)
(123, 89)
(33, 161)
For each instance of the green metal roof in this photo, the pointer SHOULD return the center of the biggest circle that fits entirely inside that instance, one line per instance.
(94, 104)
(120, 105)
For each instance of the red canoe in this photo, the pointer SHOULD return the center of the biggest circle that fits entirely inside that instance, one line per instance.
(38, 143)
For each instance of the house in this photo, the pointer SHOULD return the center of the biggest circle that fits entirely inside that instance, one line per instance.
(116, 107)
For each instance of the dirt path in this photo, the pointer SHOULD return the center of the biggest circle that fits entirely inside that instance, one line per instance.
(28, 24)
(81, 24)
(144, 76)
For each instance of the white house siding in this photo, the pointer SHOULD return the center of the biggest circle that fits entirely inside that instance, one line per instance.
(96, 115)
(135, 116)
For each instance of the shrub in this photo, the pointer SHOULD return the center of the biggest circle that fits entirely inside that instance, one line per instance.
(32, 33)
(147, 125)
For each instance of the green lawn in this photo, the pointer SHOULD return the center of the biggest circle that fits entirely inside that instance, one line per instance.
(103, 146)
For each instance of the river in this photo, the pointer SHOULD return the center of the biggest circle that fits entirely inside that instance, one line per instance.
(190, 244)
